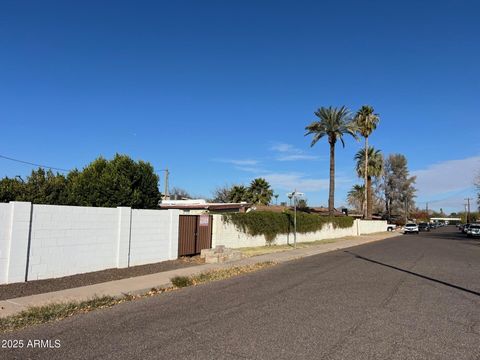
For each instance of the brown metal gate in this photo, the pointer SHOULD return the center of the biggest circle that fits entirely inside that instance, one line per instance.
(194, 234)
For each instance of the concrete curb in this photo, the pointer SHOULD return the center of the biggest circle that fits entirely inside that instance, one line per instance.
(142, 284)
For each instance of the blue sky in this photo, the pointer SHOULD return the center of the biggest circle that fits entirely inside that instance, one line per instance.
(221, 91)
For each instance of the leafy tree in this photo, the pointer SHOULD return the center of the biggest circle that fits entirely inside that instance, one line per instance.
(10, 189)
(334, 124)
(374, 168)
(260, 191)
(117, 182)
(356, 197)
(366, 121)
(45, 187)
(40, 187)
(398, 185)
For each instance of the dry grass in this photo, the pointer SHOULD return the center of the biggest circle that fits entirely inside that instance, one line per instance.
(221, 274)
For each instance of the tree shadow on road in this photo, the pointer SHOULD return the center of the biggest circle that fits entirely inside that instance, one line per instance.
(414, 274)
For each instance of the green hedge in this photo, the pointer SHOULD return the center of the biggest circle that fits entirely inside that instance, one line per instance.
(270, 224)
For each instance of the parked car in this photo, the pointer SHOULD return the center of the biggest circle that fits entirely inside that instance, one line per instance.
(465, 228)
(423, 227)
(391, 227)
(473, 230)
(410, 228)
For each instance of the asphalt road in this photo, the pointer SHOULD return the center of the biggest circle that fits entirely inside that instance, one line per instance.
(408, 297)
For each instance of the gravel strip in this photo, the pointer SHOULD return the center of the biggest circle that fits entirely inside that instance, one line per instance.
(11, 291)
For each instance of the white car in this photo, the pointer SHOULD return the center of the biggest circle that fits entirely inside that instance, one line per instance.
(391, 227)
(473, 230)
(410, 228)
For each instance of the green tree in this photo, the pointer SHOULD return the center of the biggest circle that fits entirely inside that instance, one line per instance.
(373, 168)
(397, 185)
(40, 187)
(366, 121)
(10, 189)
(45, 187)
(260, 191)
(356, 197)
(117, 182)
(334, 124)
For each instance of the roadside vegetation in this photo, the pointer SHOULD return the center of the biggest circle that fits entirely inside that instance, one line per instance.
(270, 224)
(221, 274)
(57, 311)
(120, 181)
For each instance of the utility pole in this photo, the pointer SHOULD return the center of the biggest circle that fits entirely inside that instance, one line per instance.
(468, 209)
(166, 195)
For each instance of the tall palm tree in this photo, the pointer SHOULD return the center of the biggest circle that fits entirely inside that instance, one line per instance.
(373, 168)
(367, 121)
(356, 196)
(333, 124)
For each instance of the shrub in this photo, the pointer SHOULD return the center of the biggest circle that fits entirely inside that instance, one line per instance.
(181, 281)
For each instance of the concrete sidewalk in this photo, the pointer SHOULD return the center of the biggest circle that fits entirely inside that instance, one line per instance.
(142, 284)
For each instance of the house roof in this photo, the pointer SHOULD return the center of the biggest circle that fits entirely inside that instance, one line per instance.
(206, 206)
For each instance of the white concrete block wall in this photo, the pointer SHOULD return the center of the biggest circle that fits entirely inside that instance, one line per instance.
(153, 235)
(20, 213)
(45, 241)
(68, 240)
(227, 234)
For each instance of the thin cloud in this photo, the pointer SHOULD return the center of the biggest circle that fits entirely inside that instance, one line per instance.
(290, 181)
(288, 152)
(295, 157)
(285, 148)
(446, 177)
(239, 162)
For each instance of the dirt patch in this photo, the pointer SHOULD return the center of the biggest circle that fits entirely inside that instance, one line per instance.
(11, 291)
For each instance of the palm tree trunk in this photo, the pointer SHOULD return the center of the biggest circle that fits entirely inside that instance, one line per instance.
(369, 198)
(365, 212)
(331, 194)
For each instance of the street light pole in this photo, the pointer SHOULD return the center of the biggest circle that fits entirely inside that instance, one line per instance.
(294, 195)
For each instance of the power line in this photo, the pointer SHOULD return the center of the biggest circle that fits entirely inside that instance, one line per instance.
(29, 163)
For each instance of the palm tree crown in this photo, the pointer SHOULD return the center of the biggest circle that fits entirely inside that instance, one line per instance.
(366, 120)
(260, 191)
(375, 162)
(356, 196)
(334, 123)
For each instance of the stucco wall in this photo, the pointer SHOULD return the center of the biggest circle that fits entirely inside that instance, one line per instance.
(227, 234)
